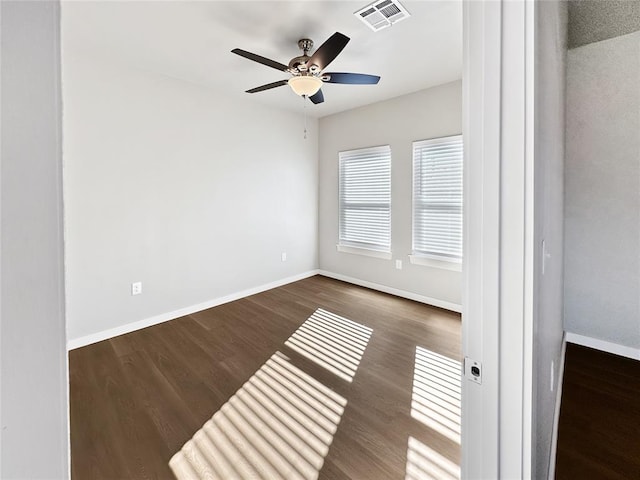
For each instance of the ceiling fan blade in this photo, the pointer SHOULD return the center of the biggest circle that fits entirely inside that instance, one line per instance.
(259, 59)
(317, 97)
(268, 86)
(329, 50)
(351, 78)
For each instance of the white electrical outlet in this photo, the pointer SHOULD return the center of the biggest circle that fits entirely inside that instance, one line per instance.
(136, 288)
(283, 256)
(399, 264)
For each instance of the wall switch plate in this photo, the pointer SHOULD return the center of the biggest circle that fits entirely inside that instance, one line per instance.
(136, 288)
(283, 256)
(545, 256)
(399, 264)
(473, 370)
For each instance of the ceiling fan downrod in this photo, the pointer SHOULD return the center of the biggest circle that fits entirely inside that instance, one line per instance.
(305, 44)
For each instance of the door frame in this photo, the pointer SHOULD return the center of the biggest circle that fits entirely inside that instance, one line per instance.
(498, 293)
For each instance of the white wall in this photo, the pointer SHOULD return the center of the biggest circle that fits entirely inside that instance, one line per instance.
(602, 209)
(551, 48)
(33, 373)
(173, 185)
(430, 113)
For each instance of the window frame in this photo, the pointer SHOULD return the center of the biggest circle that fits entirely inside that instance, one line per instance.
(433, 258)
(346, 245)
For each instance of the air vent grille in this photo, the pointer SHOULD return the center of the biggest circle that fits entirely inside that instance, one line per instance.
(382, 14)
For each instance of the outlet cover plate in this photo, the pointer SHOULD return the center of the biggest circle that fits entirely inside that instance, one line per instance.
(136, 288)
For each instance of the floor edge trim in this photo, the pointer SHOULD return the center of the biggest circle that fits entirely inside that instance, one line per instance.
(556, 411)
(165, 317)
(454, 307)
(604, 346)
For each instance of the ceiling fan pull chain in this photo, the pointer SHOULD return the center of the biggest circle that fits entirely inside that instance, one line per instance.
(304, 109)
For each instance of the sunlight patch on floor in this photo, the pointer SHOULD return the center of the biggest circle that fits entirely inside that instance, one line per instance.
(281, 422)
(435, 399)
(279, 425)
(331, 341)
(424, 463)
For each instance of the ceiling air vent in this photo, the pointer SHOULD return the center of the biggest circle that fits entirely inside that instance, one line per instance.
(382, 14)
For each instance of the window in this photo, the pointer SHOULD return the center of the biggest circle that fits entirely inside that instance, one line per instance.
(365, 201)
(437, 201)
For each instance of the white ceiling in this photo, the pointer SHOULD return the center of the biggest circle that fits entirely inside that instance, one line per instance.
(192, 41)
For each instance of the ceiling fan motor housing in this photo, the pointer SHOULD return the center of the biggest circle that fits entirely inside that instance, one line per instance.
(299, 64)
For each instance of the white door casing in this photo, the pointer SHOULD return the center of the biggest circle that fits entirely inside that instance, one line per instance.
(498, 237)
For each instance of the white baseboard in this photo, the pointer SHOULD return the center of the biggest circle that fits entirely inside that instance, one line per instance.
(556, 412)
(604, 346)
(454, 307)
(148, 322)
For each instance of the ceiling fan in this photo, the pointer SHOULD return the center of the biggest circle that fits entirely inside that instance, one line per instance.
(307, 71)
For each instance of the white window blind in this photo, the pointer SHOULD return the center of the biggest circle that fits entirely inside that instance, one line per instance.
(365, 198)
(437, 198)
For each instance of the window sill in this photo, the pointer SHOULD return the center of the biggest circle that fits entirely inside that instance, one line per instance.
(364, 251)
(436, 262)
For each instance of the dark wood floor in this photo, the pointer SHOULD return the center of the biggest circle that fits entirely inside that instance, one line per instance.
(599, 427)
(136, 399)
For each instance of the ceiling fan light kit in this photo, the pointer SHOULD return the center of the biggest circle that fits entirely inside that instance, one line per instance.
(307, 71)
(305, 85)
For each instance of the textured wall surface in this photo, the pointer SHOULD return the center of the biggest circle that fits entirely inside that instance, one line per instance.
(602, 191)
(595, 20)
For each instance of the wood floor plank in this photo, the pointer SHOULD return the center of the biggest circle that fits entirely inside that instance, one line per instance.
(136, 399)
(599, 426)
(90, 456)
